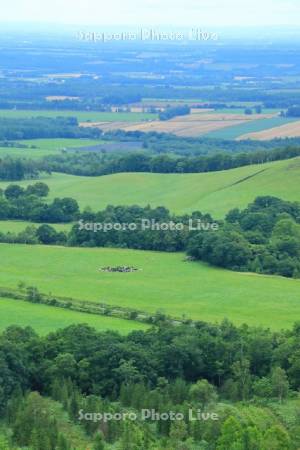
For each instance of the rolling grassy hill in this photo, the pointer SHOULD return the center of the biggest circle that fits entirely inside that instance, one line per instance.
(164, 282)
(214, 192)
(44, 319)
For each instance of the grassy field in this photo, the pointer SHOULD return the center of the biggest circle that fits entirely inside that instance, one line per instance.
(45, 147)
(213, 192)
(164, 282)
(16, 226)
(44, 319)
(251, 126)
(82, 116)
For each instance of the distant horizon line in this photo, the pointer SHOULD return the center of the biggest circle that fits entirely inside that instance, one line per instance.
(36, 23)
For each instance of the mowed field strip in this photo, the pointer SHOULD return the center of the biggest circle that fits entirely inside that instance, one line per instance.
(195, 124)
(44, 319)
(287, 130)
(165, 282)
(212, 192)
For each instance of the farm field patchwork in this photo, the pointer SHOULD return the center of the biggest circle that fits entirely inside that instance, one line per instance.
(44, 319)
(291, 129)
(212, 192)
(242, 130)
(191, 125)
(195, 124)
(164, 281)
(116, 125)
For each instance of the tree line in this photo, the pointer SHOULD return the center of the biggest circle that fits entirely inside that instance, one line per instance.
(44, 127)
(28, 203)
(101, 163)
(263, 238)
(16, 169)
(292, 111)
(159, 142)
(174, 111)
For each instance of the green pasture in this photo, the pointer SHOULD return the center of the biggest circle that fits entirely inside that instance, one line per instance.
(164, 282)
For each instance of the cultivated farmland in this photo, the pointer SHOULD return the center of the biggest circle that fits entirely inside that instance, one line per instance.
(195, 124)
(243, 130)
(287, 130)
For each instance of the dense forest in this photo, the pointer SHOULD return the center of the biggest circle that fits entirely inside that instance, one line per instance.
(263, 238)
(16, 169)
(240, 381)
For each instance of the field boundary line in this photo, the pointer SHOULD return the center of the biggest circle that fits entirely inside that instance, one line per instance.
(32, 295)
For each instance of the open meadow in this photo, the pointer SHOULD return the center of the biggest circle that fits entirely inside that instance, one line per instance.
(164, 282)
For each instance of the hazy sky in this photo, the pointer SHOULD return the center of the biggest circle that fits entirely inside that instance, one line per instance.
(154, 12)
